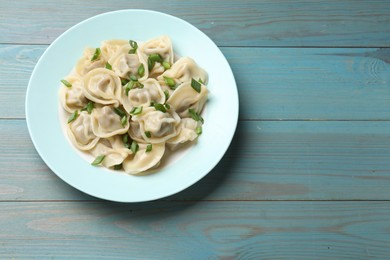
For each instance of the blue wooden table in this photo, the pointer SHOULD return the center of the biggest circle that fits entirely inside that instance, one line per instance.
(307, 175)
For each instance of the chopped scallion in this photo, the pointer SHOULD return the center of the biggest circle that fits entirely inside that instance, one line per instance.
(96, 55)
(119, 112)
(141, 70)
(133, 78)
(128, 87)
(134, 47)
(166, 93)
(148, 134)
(160, 107)
(155, 57)
(98, 160)
(108, 66)
(149, 148)
(88, 107)
(73, 116)
(134, 147)
(194, 115)
(196, 85)
(66, 83)
(150, 64)
(198, 130)
(124, 81)
(118, 167)
(170, 82)
(166, 65)
(136, 110)
(124, 121)
(167, 106)
(125, 138)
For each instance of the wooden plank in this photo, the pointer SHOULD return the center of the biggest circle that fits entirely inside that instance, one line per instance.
(196, 230)
(233, 23)
(273, 83)
(266, 161)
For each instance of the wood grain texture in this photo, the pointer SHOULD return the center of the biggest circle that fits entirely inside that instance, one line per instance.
(273, 83)
(231, 23)
(266, 161)
(196, 230)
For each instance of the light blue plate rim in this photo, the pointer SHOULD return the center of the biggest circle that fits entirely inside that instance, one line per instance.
(221, 113)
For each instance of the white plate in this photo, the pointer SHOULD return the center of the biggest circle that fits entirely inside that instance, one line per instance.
(43, 121)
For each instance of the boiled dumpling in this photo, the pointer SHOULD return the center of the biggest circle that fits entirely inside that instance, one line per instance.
(162, 46)
(126, 65)
(102, 86)
(110, 47)
(156, 126)
(136, 97)
(144, 160)
(135, 132)
(80, 132)
(187, 133)
(85, 63)
(185, 97)
(106, 122)
(113, 150)
(183, 70)
(72, 98)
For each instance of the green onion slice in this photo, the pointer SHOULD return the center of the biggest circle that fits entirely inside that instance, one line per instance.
(150, 64)
(88, 107)
(134, 46)
(194, 115)
(125, 138)
(167, 106)
(198, 130)
(170, 82)
(96, 55)
(128, 87)
(155, 57)
(166, 65)
(136, 110)
(108, 66)
(123, 121)
(134, 147)
(166, 93)
(148, 134)
(118, 167)
(66, 83)
(133, 78)
(119, 112)
(124, 81)
(160, 107)
(98, 160)
(141, 70)
(73, 116)
(149, 148)
(196, 85)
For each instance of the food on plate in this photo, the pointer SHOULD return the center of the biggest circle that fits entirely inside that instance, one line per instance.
(127, 101)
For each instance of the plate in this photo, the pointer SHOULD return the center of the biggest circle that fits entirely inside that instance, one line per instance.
(42, 110)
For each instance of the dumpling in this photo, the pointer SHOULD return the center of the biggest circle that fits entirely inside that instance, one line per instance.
(185, 97)
(106, 123)
(80, 132)
(183, 70)
(126, 65)
(102, 86)
(156, 126)
(161, 45)
(113, 150)
(85, 65)
(135, 132)
(136, 97)
(143, 160)
(73, 98)
(187, 133)
(110, 47)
